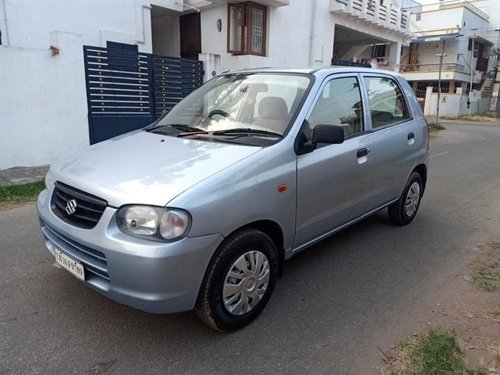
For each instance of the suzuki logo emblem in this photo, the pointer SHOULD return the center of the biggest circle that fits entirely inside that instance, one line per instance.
(71, 207)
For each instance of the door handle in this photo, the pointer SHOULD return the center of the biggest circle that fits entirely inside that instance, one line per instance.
(411, 136)
(363, 152)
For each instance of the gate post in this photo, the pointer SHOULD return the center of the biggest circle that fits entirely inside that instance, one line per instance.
(211, 65)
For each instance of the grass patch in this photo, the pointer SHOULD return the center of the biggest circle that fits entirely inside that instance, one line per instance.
(496, 313)
(435, 127)
(494, 245)
(487, 276)
(474, 118)
(15, 194)
(434, 352)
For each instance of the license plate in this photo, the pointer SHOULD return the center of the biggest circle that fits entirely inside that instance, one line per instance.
(70, 264)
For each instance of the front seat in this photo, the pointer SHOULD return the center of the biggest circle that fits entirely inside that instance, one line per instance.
(273, 114)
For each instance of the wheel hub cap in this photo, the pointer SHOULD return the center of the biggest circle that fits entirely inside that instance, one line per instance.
(412, 199)
(246, 282)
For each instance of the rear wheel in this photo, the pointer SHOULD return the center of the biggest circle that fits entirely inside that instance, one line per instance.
(239, 281)
(404, 210)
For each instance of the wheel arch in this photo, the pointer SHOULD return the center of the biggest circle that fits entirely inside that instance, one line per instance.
(274, 231)
(421, 169)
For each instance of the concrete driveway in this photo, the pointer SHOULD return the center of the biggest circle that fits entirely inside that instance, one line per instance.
(337, 304)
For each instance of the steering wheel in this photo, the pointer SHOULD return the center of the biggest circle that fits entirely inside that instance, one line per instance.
(219, 112)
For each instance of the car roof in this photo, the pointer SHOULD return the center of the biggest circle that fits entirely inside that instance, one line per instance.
(323, 71)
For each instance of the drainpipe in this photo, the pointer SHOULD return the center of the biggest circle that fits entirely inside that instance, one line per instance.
(6, 31)
(311, 37)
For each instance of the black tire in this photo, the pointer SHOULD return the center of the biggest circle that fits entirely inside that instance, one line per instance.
(210, 306)
(397, 211)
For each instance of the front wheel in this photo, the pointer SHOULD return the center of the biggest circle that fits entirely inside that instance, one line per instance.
(404, 210)
(239, 281)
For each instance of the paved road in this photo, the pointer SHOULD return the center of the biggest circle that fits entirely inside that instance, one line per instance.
(335, 304)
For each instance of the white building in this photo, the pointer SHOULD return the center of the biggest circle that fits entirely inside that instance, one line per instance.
(44, 113)
(463, 33)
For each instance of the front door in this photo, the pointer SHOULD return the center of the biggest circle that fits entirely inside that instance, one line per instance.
(333, 181)
(190, 35)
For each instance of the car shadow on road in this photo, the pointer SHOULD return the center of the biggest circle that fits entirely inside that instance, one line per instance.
(331, 298)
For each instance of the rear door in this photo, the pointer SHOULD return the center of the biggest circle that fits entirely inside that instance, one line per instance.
(333, 181)
(396, 135)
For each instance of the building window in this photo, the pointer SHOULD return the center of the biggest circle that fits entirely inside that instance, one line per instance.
(478, 48)
(247, 29)
(378, 50)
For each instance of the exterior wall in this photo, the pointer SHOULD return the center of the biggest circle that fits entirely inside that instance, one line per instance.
(439, 21)
(299, 35)
(28, 24)
(427, 52)
(43, 100)
(454, 105)
(492, 9)
(442, 19)
(445, 75)
(288, 37)
(471, 22)
(43, 103)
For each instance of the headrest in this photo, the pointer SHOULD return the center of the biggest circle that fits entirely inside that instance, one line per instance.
(273, 107)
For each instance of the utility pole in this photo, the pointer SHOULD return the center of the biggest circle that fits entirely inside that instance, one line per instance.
(471, 70)
(497, 52)
(441, 56)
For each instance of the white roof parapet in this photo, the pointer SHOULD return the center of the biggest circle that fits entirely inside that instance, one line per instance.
(387, 16)
(270, 3)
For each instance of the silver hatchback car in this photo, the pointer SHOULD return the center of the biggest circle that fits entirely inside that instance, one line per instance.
(201, 208)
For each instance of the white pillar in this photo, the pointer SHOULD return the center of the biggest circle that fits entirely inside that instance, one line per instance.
(428, 102)
(395, 55)
(211, 65)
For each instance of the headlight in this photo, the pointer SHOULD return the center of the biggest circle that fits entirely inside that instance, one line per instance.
(49, 180)
(153, 223)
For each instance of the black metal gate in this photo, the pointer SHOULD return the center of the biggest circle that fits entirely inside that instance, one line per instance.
(127, 89)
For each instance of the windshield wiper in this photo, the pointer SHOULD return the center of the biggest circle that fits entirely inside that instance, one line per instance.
(187, 128)
(247, 132)
(184, 129)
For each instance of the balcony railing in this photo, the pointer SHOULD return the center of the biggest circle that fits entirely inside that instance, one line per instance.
(349, 63)
(373, 11)
(422, 68)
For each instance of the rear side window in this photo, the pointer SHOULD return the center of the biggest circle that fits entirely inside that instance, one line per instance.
(387, 103)
(339, 104)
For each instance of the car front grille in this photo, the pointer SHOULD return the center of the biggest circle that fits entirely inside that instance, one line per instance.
(94, 261)
(77, 207)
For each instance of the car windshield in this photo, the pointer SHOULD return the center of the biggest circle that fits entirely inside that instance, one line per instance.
(239, 105)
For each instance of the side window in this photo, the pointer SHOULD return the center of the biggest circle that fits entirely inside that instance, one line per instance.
(387, 103)
(339, 104)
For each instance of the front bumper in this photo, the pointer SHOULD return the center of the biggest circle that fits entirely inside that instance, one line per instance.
(150, 276)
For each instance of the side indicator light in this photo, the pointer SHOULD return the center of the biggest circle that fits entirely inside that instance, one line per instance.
(282, 188)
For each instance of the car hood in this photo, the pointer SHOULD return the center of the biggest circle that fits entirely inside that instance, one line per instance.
(146, 168)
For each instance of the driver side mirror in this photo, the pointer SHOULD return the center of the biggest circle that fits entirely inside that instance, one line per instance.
(331, 134)
(307, 142)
